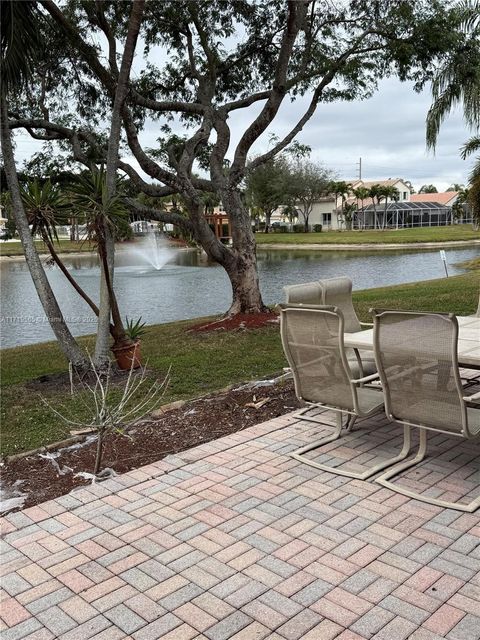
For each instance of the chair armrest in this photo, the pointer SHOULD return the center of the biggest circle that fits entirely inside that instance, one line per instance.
(373, 376)
(366, 324)
(474, 397)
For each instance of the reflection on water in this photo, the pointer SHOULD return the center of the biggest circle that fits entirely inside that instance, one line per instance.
(189, 286)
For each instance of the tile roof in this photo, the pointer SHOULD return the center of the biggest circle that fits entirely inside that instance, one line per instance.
(442, 198)
(391, 182)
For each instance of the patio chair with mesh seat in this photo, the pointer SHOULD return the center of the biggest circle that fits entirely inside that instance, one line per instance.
(312, 339)
(335, 292)
(338, 292)
(307, 293)
(416, 355)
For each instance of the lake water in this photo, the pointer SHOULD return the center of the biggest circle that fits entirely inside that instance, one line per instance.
(189, 287)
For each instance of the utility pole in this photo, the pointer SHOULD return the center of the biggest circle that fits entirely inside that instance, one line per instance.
(359, 165)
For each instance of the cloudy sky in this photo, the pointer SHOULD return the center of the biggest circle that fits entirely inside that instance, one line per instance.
(387, 132)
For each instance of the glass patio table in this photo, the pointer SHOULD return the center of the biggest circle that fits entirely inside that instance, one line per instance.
(468, 341)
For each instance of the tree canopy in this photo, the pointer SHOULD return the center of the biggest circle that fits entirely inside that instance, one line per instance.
(204, 61)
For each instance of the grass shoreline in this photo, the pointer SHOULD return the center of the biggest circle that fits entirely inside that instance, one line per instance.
(455, 233)
(328, 239)
(201, 363)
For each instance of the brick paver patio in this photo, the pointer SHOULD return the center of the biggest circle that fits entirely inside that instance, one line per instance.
(235, 539)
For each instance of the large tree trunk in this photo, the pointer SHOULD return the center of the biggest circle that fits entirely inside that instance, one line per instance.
(238, 261)
(243, 274)
(241, 261)
(66, 341)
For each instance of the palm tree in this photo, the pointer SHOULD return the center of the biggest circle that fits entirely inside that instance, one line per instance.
(46, 208)
(340, 188)
(375, 193)
(457, 82)
(21, 39)
(103, 214)
(387, 193)
(349, 209)
(472, 196)
(428, 188)
(361, 194)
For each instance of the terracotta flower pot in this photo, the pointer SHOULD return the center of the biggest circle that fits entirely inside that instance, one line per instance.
(125, 354)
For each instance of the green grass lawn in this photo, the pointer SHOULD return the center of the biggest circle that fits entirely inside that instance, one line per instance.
(200, 363)
(63, 246)
(390, 236)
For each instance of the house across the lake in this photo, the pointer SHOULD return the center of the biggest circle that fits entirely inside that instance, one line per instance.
(406, 210)
(327, 211)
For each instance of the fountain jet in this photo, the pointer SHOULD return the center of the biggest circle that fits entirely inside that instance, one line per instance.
(153, 249)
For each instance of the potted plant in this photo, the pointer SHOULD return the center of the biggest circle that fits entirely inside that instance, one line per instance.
(128, 355)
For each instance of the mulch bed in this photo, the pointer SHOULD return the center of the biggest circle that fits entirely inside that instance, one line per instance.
(239, 321)
(182, 428)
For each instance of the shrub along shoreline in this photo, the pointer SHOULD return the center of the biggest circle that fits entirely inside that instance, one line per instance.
(200, 362)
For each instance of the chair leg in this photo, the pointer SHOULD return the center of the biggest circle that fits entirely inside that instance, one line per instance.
(314, 419)
(368, 473)
(384, 480)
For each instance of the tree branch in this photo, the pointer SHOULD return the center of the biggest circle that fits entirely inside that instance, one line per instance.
(147, 188)
(148, 165)
(326, 80)
(162, 216)
(112, 43)
(106, 78)
(296, 16)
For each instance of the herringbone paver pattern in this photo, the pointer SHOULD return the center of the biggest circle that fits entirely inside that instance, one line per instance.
(236, 540)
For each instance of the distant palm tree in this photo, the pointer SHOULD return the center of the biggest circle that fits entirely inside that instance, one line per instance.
(394, 195)
(340, 189)
(349, 210)
(428, 188)
(361, 194)
(375, 193)
(387, 193)
(458, 208)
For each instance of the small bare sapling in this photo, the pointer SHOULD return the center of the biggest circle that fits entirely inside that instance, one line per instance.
(110, 408)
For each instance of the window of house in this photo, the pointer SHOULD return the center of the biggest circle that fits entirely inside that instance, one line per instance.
(327, 218)
(405, 195)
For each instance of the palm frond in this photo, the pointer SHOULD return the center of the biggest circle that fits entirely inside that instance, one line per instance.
(470, 147)
(20, 40)
(457, 81)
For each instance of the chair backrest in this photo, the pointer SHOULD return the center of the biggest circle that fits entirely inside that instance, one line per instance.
(308, 293)
(416, 356)
(312, 339)
(338, 293)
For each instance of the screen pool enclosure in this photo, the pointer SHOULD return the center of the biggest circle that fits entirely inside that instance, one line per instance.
(401, 215)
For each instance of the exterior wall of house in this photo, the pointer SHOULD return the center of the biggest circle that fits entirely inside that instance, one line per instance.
(403, 190)
(323, 213)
